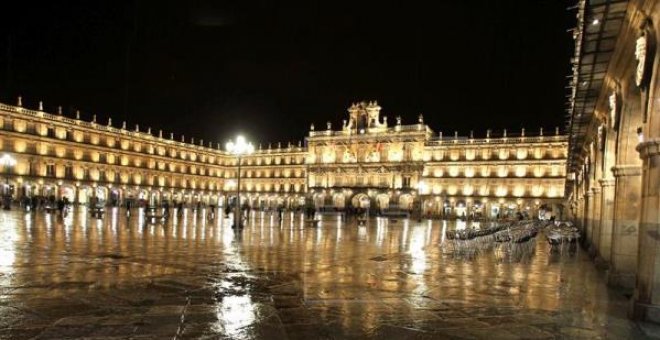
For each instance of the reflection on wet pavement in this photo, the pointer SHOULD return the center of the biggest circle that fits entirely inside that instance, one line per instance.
(193, 278)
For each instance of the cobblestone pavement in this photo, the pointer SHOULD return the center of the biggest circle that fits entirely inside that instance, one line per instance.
(115, 278)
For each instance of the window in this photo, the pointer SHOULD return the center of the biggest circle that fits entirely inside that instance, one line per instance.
(50, 170)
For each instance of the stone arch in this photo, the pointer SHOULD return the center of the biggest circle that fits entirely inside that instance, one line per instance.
(101, 193)
(339, 200)
(48, 190)
(154, 198)
(477, 208)
(360, 200)
(143, 194)
(31, 189)
(319, 200)
(461, 209)
(115, 196)
(300, 201)
(68, 191)
(431, 207)
(406, 202)
(85, 192)
(383, 201)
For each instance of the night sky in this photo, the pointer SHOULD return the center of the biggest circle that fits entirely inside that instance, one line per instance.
(267, 69)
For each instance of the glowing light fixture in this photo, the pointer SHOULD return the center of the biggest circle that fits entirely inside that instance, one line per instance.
(239, 147)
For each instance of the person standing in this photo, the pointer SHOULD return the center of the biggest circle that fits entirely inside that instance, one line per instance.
(60, 206)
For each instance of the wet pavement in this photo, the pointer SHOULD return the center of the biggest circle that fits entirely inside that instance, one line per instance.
(119, 278)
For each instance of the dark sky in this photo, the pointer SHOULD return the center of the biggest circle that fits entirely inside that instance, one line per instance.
(211, 69)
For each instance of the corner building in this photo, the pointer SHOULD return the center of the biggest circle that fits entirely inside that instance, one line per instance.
(368, 163)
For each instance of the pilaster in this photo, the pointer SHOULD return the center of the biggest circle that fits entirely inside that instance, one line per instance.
(625, 225)
(588, 210)
(647, 290)
(606, 220)
(595, 221)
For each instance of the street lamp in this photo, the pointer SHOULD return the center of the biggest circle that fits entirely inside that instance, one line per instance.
(8, 162)
(239, 148)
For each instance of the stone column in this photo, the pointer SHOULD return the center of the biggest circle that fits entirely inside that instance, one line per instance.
(625, 226)
(580, 211)
(647, 290)
(606, 220)
(579, 215)
(588, 210)
(595, 221)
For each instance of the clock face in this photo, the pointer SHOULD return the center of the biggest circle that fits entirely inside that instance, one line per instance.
(640, 56)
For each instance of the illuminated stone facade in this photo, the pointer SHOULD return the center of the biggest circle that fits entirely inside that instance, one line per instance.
(613, 178)
(59, 156)
(367, 163)
(371, 163)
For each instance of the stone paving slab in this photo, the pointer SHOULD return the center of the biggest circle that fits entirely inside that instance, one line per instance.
(187, 281)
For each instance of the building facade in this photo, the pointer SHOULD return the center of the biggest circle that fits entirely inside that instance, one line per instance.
(613, 176)
(368, 163)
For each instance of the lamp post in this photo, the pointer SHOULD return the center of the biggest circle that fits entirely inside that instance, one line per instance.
(8, 162)
(239, 147)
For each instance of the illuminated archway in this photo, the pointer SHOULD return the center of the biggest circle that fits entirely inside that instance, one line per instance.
(360, 201)
(383, 201)
(406, 202)
(339, 200)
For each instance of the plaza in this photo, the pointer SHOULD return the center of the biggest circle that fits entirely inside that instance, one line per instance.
(191, 277)
(205, 170)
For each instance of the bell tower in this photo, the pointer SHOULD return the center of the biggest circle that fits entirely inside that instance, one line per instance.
(363, 116)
